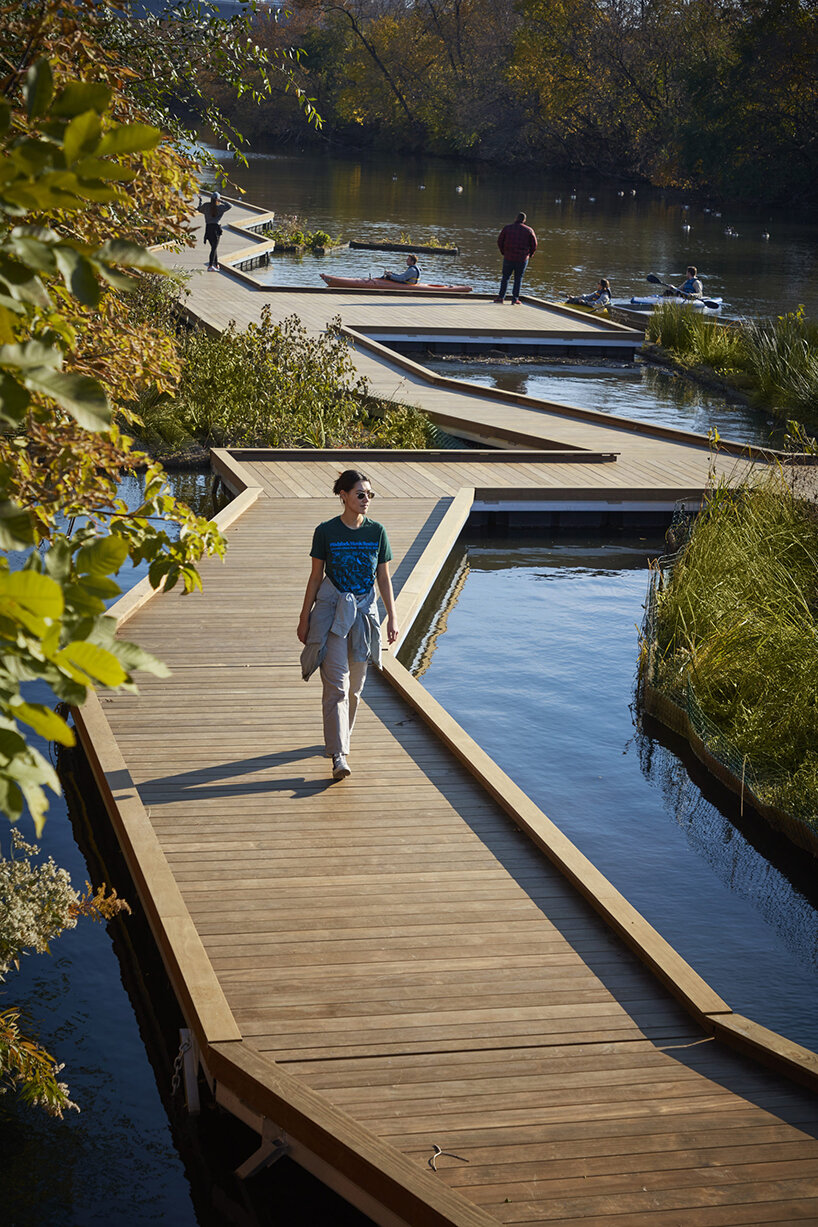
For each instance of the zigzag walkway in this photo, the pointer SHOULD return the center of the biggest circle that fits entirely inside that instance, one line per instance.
(416, 960)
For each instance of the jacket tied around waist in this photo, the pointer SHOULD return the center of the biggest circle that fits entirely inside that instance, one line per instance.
(350, 617)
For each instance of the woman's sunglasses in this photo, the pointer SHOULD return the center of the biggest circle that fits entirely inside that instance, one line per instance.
(362, 494)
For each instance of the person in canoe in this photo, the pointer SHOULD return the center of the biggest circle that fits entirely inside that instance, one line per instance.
(692, 288)
(340, 626)
(409, 276)
(599, 298)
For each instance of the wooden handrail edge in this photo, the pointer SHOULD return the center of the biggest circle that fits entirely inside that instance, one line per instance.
(368, 1160)
(415, 589)
(183, 953)
(567, 412)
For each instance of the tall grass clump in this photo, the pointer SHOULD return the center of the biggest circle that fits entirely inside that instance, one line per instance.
(694, 338)
(782, 357)
(274, 385)
(737, 622)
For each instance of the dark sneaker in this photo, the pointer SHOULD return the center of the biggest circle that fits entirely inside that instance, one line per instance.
(340, 767)
(498, 300)
(515, 302)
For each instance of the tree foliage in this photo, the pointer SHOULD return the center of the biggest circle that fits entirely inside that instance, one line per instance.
(684, 93)
(78, 162)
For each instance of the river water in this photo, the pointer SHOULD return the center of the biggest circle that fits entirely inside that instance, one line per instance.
(586, 228)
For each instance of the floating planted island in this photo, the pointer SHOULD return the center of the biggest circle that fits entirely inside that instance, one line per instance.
(729, 653)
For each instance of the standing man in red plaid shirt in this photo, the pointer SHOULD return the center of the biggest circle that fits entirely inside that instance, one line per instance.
(517, 242)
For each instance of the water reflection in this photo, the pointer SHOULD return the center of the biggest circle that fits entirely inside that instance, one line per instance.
(623, 238)
(549, 697)
(646, 393)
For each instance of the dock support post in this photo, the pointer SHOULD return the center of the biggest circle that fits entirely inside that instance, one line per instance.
(190, 1070)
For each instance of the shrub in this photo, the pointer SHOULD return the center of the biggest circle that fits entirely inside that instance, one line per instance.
(274, 385)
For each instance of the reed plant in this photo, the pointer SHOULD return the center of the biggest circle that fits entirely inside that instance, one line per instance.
(738, 624)
(782, 358)
(776, 360)
(694, 338)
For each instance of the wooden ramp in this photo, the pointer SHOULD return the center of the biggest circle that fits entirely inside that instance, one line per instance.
(416, 960)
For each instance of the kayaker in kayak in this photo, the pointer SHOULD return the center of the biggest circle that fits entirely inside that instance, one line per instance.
(599, 298)
(692, 288)
(410, 276)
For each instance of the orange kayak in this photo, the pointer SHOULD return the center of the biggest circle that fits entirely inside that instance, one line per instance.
(383, 283)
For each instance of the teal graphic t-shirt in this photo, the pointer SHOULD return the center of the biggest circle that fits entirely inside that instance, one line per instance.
(351, 555)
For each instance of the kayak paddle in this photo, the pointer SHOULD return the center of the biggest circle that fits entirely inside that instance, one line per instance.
(710, 303)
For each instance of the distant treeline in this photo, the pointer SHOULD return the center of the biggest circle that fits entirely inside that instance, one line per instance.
(696, 94)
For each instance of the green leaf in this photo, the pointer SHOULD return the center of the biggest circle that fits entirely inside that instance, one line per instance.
(80, 395)
(39, 594)
(135, 658)
(110, 172)
(45, 721)
(129, 138)
(57, 559)
(38, 89)
(30, 354)
(14, 399)
(35, 253)
(79, 96)
(130, 255)
(81, 137)
(80, 602)
(87, 663)
(78, 274)
(104, 556)
(11, 799)
(16, 529)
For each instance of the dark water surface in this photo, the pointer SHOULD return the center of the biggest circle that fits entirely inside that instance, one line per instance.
(586, 228)
(645, 393)
(545, 633)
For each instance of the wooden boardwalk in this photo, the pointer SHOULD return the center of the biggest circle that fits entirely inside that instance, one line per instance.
(662, 462)
(416, 958)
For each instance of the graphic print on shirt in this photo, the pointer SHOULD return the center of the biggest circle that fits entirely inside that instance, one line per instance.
(352, 564)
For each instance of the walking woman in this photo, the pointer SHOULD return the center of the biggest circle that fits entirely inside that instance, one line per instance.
(213, 211)
(339, 624)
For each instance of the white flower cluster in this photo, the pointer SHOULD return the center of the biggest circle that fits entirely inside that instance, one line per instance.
(36, 902)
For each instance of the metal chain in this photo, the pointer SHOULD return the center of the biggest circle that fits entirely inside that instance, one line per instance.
(184, 1047)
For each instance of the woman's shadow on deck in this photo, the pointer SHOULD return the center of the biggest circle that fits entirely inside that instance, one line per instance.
(224, 780)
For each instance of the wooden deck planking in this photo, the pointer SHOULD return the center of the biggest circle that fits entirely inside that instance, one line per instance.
(395, 943)
(405, 950)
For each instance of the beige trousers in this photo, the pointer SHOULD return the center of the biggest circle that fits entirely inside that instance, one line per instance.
(343, 681)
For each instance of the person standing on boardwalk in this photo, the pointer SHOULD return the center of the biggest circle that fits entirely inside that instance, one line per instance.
(214, 210)
(517, 242)
(339, 624)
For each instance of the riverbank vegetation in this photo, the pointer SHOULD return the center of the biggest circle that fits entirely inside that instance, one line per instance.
(291, 234)
(775, 362)
(722, 98)
(736, 624)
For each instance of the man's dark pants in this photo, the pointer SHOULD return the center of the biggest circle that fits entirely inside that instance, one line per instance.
(517, 267)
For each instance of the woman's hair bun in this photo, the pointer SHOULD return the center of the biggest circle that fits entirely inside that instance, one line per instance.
(348, 480)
